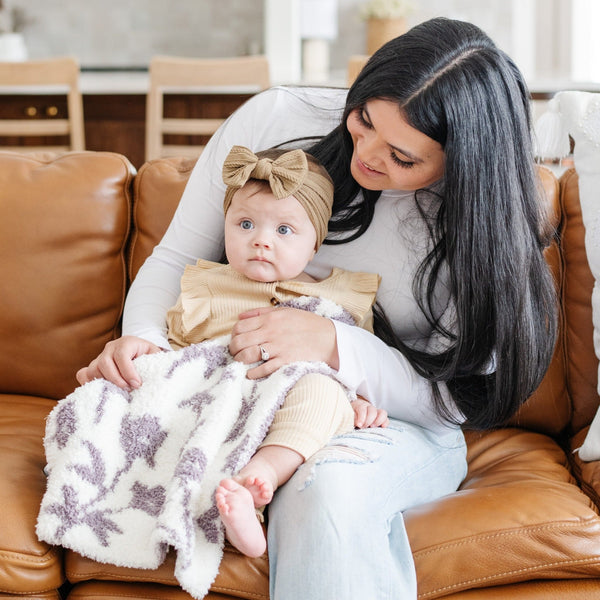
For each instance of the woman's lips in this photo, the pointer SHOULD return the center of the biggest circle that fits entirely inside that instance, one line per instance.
(366, 169)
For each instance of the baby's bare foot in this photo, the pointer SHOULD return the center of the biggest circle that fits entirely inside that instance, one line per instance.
(242, 528)
(260, 489)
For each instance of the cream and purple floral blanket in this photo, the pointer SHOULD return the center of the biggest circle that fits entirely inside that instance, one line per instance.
(131, 474)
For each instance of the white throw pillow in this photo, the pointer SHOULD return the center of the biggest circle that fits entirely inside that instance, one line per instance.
(578, 114)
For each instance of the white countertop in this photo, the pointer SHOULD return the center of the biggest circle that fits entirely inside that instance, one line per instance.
(137, 81)
(113, 82)
(122, 82)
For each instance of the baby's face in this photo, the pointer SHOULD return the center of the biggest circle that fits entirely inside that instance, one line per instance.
(267, 239)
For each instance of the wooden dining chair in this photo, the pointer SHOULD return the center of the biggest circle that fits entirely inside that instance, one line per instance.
(355, 65)
(51, 77)
(177, 75)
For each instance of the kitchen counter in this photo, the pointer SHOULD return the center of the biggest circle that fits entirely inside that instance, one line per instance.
(121, 82)
(137, 81)
(111, 81)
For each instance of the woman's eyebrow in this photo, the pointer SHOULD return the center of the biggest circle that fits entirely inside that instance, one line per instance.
(406, 153)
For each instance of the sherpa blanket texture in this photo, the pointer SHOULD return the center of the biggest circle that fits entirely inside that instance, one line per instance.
(131, 474)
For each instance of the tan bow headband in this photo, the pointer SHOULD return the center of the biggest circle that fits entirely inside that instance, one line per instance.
(290, 174)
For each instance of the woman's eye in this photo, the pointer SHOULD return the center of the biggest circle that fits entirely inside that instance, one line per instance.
(246, 224)
(284, 230)
(402, 163)
(360, 114)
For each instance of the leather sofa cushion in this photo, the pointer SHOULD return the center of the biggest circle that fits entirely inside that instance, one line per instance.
(582, 589)
(548, 409)
(112, 590)
(239, 576)
(518, 516)
(582, 364)
(157, 190)
(587, 473)
(27, 566)
(63, 233)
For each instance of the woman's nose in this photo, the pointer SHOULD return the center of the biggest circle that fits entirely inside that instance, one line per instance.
(368, 147)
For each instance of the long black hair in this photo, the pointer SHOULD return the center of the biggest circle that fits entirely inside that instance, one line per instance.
(453, 84)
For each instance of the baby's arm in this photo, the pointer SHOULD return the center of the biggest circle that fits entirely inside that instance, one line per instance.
(367, 415)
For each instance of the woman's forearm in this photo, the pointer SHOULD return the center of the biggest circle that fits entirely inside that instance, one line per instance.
(385, 377)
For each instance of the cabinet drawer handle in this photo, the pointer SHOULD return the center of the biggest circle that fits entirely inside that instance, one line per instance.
(31, 111)
(51, 111)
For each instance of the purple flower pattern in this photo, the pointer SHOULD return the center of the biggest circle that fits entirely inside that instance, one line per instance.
(141, 437)
(71, 514)
(210, 524)
(66, 423)
(148, 499)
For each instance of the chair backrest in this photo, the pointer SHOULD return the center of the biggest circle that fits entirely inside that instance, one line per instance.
(176, 75)
(355, 65)
(54, 76)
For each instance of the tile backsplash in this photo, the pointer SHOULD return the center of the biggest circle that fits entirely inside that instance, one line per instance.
(127, 33)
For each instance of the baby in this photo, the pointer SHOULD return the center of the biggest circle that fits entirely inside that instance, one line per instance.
(277, 206)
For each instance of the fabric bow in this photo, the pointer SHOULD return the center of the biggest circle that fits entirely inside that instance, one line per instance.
(285, 174)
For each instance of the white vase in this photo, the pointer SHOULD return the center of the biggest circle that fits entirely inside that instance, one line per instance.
(12, 47)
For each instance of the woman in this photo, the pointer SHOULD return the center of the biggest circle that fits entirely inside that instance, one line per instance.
(436, 191)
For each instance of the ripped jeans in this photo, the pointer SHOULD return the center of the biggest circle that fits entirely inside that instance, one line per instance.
(336, 529)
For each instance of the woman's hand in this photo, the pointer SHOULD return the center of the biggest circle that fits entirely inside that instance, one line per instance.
(115, 362)
(366, 415)
(287, 335)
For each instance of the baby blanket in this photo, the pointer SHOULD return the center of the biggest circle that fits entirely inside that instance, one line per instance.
(131, 474)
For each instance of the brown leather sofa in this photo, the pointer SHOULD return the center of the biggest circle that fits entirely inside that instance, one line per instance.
(74, 231)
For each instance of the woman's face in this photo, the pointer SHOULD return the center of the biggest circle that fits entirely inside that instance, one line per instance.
(390, 154)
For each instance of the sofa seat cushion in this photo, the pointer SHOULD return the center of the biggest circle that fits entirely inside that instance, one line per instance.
(113, 590)
(582, 589)
(556, 589)
(27, 566)
(239, 576)
(518, 516)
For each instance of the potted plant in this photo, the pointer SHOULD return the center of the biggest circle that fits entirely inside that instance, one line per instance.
(386, 19)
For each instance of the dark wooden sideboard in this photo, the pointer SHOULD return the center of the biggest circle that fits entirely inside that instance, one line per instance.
(115, 122)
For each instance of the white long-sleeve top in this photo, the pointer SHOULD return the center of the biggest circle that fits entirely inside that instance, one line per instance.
(393, 246)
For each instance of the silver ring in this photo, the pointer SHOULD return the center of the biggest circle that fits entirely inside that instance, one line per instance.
(264, 355)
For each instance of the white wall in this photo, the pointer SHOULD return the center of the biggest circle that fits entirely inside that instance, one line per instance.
(124, 33)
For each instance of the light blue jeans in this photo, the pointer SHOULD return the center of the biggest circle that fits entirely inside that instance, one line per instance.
(336, 528)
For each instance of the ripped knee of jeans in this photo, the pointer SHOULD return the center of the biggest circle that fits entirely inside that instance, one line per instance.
(337, 451)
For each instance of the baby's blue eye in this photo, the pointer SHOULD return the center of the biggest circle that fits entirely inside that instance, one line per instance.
(284, 230)
(246, 224)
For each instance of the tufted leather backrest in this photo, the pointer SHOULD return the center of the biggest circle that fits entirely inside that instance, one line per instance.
(63, 232)
(157, 190)
(548, 410)
(568, 399)
(578, 282)
(160, 183)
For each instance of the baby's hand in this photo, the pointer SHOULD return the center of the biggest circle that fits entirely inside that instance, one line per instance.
(366, 415)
